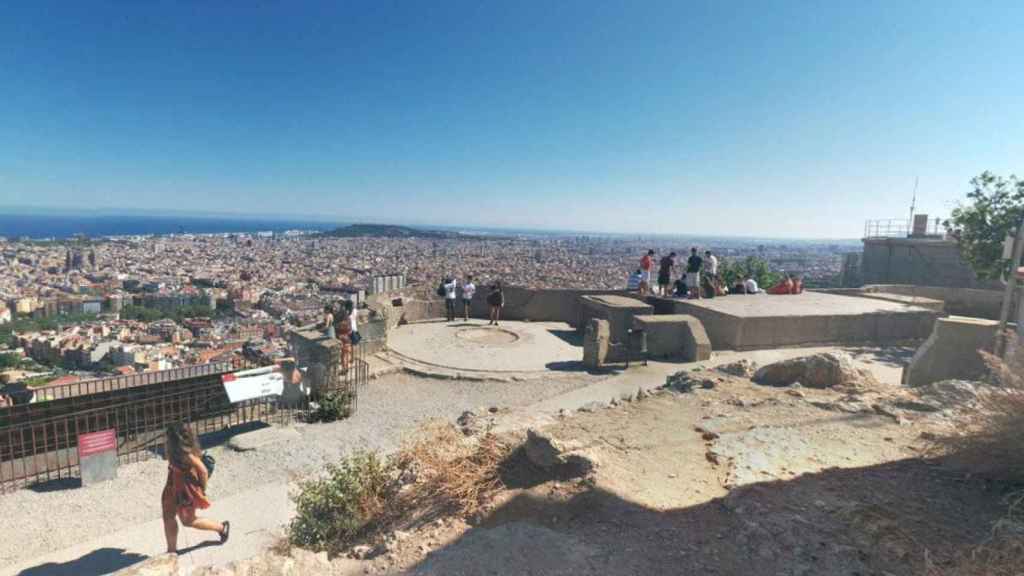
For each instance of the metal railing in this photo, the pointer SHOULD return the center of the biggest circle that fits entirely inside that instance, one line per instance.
(38, 442)
(901, 228)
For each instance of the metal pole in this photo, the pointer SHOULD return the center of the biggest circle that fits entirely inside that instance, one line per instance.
(1011, 287)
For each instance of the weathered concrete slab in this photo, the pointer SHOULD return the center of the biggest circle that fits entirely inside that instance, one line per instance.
(951, 352)
(678, 336)
(617, 310)
(919, 301)
(746, 322)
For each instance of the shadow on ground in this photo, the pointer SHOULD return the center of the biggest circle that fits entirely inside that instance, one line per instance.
(101, 561)
(571, 337)
(895, 356)
(881, 519)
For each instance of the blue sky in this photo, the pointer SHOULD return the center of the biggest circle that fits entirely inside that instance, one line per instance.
(792, 119)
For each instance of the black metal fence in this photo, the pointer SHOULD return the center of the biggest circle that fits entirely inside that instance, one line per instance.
(38, 442)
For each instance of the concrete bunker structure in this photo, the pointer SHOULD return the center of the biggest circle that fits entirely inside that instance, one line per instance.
(951, 352)
(747, 322)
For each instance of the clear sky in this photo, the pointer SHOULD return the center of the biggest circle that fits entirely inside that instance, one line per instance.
(793, 119)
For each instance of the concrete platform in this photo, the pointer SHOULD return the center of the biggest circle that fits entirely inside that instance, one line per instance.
(519, 348)
(746, 322)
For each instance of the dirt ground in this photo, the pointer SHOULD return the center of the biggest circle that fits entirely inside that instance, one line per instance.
(738, 479)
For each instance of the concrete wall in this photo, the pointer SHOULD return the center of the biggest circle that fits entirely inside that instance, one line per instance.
(972, 302)
(538, 305)
(951, 352)
(917, 261)
(728, 332)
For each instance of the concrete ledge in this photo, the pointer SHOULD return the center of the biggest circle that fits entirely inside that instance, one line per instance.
(674, 336)
(749, 322)
(951, 352)
(617, 310)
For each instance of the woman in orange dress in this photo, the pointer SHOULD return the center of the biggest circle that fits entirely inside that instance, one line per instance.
(185, 490)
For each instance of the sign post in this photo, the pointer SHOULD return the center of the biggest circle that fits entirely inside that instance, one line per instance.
(97, 456)
(1011, 287)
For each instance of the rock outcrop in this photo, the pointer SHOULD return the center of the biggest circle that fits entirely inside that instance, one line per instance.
(826, 370)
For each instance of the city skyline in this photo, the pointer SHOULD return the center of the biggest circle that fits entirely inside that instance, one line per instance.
(753, 120)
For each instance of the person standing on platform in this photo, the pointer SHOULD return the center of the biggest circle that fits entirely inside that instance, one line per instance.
(646, 266)
(665, 274)
(693, 268)
(451, 286)
(468, 290)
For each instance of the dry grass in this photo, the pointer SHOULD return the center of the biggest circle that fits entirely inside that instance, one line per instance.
(452, 474)
(1002, 555)
(988, 442)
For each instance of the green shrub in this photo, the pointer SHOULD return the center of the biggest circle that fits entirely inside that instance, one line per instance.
(335, 405)
(333, 511)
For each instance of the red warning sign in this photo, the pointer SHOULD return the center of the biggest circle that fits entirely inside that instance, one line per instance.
(97, 442)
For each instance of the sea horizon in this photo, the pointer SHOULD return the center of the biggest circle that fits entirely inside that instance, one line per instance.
(41, 224)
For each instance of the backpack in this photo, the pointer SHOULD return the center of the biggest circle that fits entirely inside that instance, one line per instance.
(440, 289)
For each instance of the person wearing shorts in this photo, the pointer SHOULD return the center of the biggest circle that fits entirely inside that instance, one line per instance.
(468, 290)
(665, 274)
(693, 267)
(646, 266)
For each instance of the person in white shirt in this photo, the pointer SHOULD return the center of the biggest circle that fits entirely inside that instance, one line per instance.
(451, 286)
(710, 264)
(353, 315)
(633, 284)
(751, 285)
(468, 290)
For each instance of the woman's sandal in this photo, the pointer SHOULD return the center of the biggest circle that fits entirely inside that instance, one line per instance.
(225, 532)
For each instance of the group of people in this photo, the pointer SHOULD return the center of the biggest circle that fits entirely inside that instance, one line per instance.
(700, 278)
(453, 292)
(699, 272)
(340, 321)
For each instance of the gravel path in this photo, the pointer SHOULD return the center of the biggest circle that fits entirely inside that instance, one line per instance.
(389, 408)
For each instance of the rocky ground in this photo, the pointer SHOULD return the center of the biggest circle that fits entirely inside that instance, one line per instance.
(717, 474)
(809, 468)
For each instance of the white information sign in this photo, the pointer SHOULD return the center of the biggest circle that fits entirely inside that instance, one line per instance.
(256, 383)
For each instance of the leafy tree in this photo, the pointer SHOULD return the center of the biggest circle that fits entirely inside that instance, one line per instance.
(996, 207)
(734, 271)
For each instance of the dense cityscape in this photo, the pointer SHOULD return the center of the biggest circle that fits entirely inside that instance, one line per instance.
(71, 309)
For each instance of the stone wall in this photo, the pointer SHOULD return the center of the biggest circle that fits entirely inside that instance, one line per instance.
(319, 355)
(917, 261)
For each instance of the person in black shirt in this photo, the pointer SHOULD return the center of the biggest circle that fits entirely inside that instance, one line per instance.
(665, 273)
(693, 266)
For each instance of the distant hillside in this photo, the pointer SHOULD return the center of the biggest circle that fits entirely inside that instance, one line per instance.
(389, 231)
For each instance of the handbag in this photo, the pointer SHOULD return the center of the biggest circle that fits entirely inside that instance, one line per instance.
(210, 462)
(356, 338)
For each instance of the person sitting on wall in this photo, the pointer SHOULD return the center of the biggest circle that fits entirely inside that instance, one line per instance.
(785, 286)
(798, 285)
(679, 289)
(750, 286)
(634, 281)
(739, 287)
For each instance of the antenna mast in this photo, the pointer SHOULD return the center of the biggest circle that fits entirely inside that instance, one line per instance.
(913, 204)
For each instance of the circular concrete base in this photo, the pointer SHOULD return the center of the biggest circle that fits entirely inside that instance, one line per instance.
(476, 346)
(488, 336)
